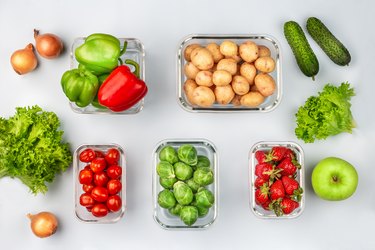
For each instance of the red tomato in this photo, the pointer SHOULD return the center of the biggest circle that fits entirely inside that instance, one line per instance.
(114, 203)
(114, 172)
(99, 194)
(99, 154)
(87, 188)
(86, 200)
(98, 165)
(87, 155)
(112, 156)
(114, 186)
(85, 176)
(99, 210)
(100, 179)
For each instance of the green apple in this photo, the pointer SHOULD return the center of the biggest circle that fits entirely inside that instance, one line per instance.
(334, 179)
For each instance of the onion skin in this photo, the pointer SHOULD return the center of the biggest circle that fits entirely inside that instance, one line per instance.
(24, 60)
(43, 224)
(48, 45)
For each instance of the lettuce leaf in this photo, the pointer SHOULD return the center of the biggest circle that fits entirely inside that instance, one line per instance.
(326, 114)
(31, 148)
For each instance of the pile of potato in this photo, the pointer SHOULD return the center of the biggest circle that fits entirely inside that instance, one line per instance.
(228, 73)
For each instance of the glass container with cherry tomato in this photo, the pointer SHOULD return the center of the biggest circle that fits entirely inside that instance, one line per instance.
(100, 180)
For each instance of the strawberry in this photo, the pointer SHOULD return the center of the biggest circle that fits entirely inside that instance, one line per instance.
(261, 195)
(277, 153)
(292, 188)
(264, 170)
(287, 166)
(288, 205)
(266, 205)
(290, 154)
(277, 190)
(260, 156)
(259, 181)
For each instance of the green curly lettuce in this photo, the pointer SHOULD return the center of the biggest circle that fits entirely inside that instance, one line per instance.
(326, 114)
(31, 148)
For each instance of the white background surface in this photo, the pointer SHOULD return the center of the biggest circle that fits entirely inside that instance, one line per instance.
(160, 25)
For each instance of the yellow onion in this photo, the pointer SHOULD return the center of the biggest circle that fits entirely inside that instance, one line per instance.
(43, 224)
(24, 60)
(48, 45)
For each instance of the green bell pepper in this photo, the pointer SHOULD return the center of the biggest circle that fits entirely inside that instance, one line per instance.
(95, 102)
(100, 53)
(80, 86)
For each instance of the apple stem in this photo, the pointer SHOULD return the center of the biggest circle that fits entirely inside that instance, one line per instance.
(335, 179)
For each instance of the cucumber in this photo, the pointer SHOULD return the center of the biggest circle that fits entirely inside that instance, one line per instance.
(305, 57)
(334, 49)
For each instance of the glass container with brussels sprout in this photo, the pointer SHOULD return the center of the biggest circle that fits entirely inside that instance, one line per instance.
(186, 184)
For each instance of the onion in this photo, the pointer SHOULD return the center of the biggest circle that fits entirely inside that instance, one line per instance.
(48, 45)
(43, 224)
(24, 60)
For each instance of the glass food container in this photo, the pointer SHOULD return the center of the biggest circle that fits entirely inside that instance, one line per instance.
(270, 102)
(300, 177)
(161, 215)
(81, 212)
(134, 51)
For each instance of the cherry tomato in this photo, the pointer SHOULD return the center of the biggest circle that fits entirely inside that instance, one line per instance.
(99, 210)
(99, 194)
(114, 172)
(99, 154)
(86, 200)
(114, 203)
(85, 176)
(87, 188)
(87, 167)
(100, 179)
(98, 165)
(114, 186)
(112, 156)
(87, 155)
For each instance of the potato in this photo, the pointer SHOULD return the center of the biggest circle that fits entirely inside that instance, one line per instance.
(227, 64)
(228, 48)
(204, 78)
(203, 96)
(240, 85)
(248, 51)
(224, 94)
(190, 70)
(265, 84)
(237, 58)
(189, 87)
(265, 64)
(248, 71)
(221, 77)
(202, 58)
(252, 99)
(215, 51)
(236, 101)
(263, 51)
(189, 49)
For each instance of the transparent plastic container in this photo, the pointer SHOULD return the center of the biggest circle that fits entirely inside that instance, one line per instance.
(162, 215)
(134, 51)
(270, 103)
(267, 146)
(81, 212)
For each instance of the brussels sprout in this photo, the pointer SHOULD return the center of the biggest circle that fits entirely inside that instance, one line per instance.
(167, 182)
(183, 193)
(165, 170)
(166, 199)
(189, 215)
(204, 176)
(202, 211)
(203, 162)
(176, 209)
(183, 171)
(188, 154)
(193, 185)
(204, 198)
(168, 154)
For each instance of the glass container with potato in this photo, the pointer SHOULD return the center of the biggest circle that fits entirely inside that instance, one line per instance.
(229, 73)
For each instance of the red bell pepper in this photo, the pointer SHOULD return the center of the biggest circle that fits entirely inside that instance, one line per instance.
(122, 89)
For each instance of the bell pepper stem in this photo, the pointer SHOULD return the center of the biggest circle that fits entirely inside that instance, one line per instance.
(124, 48)
(136, 67)
(120, 61)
